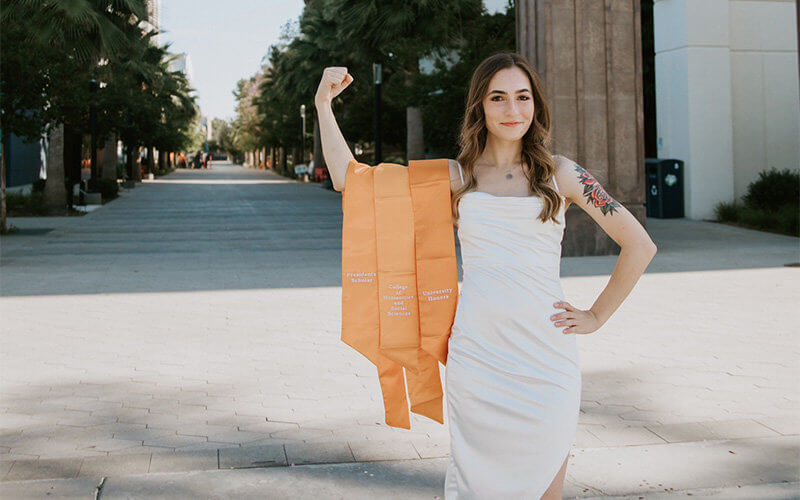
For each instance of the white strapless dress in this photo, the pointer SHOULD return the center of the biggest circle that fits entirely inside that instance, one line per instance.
(512, 379)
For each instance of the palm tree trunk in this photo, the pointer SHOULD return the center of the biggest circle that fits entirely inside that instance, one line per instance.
(415, 145)
(73, 140)
(55, 190)
(319, 159)
(150, 163)
(137, 165)
(109, 161)
(130, 163)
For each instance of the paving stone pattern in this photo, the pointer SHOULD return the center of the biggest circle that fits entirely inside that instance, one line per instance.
(193, 324)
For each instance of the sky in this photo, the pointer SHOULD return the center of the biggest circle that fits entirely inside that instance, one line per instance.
(226, 42)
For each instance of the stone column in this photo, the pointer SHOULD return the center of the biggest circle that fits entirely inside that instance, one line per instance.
(588, 54)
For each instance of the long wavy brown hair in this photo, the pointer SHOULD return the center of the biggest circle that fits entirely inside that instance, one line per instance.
(537, 162)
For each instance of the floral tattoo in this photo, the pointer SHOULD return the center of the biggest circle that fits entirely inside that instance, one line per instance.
(595, 193)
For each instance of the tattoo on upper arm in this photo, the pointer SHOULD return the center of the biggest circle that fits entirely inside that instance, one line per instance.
(595, 193)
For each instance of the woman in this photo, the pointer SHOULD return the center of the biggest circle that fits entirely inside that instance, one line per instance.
(512, 378)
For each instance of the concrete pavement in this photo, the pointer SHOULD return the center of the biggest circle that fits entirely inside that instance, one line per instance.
(192, 325)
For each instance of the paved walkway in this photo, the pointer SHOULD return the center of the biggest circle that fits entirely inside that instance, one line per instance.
(192, 325)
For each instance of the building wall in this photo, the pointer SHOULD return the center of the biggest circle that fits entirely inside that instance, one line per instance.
(154, 18)
(182, 62)
(23, 164)
(764, 89)
(726, 93)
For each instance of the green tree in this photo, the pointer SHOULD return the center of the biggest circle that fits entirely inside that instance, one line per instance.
(398, 33)
(246, 124)
(452, 36)
(23, 99)
(443, 92)
(69, 38)
(222, 133)
(145, 103)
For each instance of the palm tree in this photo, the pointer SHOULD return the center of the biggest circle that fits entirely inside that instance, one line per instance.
(398, 33)
(85, 32)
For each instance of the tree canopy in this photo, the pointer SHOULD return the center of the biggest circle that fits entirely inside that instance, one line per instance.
(450, 37)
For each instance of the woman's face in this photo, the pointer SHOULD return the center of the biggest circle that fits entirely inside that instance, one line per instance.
(508, 105)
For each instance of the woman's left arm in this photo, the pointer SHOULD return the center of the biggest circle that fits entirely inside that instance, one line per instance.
(636, 247)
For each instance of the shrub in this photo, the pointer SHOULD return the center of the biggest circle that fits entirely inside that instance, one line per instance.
(773, 189)
(772, 203)
(25, 204)
(788, 219)
(727, 212)
(756, 217)
(108, 188)
(165, 171)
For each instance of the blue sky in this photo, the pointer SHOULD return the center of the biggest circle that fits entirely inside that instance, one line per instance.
(225, 40)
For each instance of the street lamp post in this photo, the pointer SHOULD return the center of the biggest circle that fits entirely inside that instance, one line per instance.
(377, 79)
(93, 126)
(303, 134)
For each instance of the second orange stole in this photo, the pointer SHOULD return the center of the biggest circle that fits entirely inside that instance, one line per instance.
(400, 279)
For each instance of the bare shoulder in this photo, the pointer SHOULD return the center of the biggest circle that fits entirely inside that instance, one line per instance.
(564, 174)
(574, 181)
(455, 175)
(562, 164)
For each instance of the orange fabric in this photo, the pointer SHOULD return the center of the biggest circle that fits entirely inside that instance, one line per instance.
(400, 279)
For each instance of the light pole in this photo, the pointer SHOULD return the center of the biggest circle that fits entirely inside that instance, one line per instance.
(205, 134)
(377, 80)
(93, 126)
(303, 134)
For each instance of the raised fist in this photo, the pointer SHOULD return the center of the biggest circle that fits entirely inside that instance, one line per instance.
(334, 80)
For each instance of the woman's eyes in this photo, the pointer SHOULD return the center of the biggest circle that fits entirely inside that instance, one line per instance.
(521, 97)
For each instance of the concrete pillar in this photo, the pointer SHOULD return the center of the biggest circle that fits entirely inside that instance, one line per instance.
(693, 98)
(588, 55)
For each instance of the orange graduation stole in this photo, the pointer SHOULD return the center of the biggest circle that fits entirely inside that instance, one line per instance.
(400, 279)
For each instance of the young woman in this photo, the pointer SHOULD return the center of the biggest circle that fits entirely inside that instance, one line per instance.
(512, 379)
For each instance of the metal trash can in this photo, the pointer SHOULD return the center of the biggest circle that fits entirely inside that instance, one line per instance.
(664, 183)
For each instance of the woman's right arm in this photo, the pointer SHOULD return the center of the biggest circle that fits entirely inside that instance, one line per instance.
(334, 148)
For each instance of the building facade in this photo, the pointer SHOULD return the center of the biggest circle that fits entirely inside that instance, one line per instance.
(727, 93)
